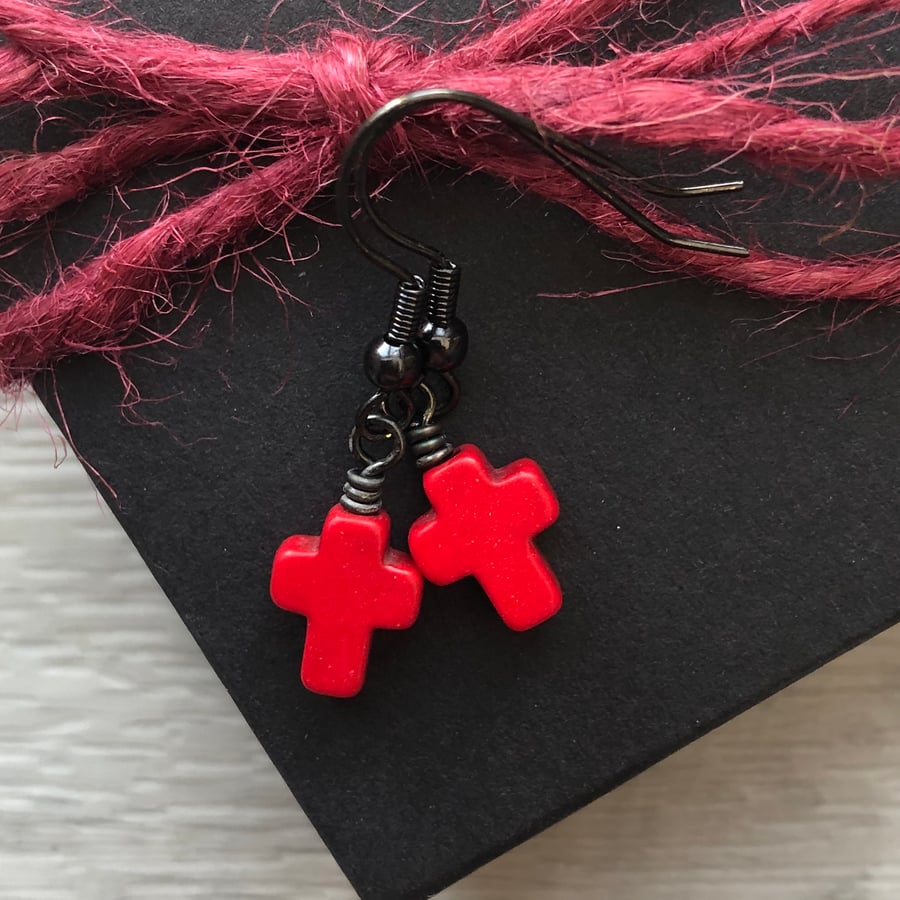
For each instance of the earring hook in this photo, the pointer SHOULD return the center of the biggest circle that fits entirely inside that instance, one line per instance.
(562, 149)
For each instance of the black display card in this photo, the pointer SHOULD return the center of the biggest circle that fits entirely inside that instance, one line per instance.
(728, 493)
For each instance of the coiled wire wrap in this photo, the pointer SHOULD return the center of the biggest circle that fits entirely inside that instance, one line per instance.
(364, 485)
(406, 314)
(442, 292)
(363, 492)
(429, 445)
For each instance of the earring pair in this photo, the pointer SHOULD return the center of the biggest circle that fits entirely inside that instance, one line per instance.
(347, 581)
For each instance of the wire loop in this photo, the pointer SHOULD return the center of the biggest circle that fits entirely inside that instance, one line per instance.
(378, 407)
(376, 466)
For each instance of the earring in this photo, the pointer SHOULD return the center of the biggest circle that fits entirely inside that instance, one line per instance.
(347, 581)
(483, 520)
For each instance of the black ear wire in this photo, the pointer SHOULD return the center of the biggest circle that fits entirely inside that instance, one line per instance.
(581, 161)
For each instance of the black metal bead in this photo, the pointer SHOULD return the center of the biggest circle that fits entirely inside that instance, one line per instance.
(392, 366)
(445, 345)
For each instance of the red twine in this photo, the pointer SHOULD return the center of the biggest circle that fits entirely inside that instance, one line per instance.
(287, 116)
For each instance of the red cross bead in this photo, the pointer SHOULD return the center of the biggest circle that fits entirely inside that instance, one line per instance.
(483, 523)
(347, 583)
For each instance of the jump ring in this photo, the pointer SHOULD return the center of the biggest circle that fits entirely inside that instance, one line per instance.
(378, 407)
(375, 466)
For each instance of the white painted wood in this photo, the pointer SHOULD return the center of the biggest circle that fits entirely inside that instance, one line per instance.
(127, 774)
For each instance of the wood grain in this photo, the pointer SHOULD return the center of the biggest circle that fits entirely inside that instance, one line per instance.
(127, 774)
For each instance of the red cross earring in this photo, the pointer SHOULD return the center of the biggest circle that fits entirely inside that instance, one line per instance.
(347, 581)
(483, 520)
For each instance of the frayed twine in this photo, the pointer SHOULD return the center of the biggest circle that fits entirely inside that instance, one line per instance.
(286, 116)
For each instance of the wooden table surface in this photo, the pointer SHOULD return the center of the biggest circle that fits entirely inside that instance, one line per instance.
(127, 774)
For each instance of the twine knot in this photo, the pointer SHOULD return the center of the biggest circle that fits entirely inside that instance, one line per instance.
(350, 72)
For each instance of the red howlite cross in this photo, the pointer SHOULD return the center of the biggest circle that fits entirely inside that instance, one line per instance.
(483, 523)
(347, 583)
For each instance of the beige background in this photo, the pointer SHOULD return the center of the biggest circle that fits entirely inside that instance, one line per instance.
(127, 774)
